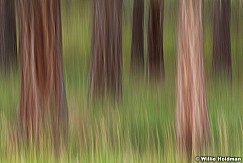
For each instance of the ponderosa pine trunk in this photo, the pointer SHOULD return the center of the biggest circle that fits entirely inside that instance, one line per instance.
(106, 50)
(192, 124)
(8, 47)
(42, 82)
(155, 40)
(137, 52)
(221, 38)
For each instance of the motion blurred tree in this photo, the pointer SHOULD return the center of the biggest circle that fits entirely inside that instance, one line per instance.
(192, 126)
(42, 83)
(221, 38)
(137, 53)
(155, 40)
(106, 50)
(8, 47)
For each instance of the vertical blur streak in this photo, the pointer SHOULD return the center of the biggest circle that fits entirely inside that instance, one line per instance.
(137, 52)
(8, 47)
(106, 44)
(155, 40)
(42, 85)
(192, 126)
(221, 38)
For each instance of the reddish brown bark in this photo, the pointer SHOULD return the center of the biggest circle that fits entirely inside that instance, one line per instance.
(192, 126)
(155, 40)
(42, 83)
(137, 52)
(106, 52)
(8, 47)
(221, 38)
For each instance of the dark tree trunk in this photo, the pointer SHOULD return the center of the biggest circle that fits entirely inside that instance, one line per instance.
(155, 40)
(42, 82)
(106, 50)
(8, 48)
(137, 53)
(192, 126)
(221, 38)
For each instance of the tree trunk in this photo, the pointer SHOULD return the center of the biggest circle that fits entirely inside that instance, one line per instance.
(192, 126)
(221, 38)
(42, 82)
(8, 48)
(155, 40)
(106, 50)
(137, 54)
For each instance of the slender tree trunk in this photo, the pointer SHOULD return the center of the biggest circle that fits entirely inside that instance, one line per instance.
(155, 40)
(221, 38)
(8, 48)
(42, 82)
(137, 55)
(106, 50)
(192, 126)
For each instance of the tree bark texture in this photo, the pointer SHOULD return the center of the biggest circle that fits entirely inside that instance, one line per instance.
(221, 38)
(42, 82)
(192, 126)
(137, 52)
(8, 47)
(106, 50)
(155, 40)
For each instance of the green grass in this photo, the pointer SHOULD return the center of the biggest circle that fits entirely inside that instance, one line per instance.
(142, 129)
